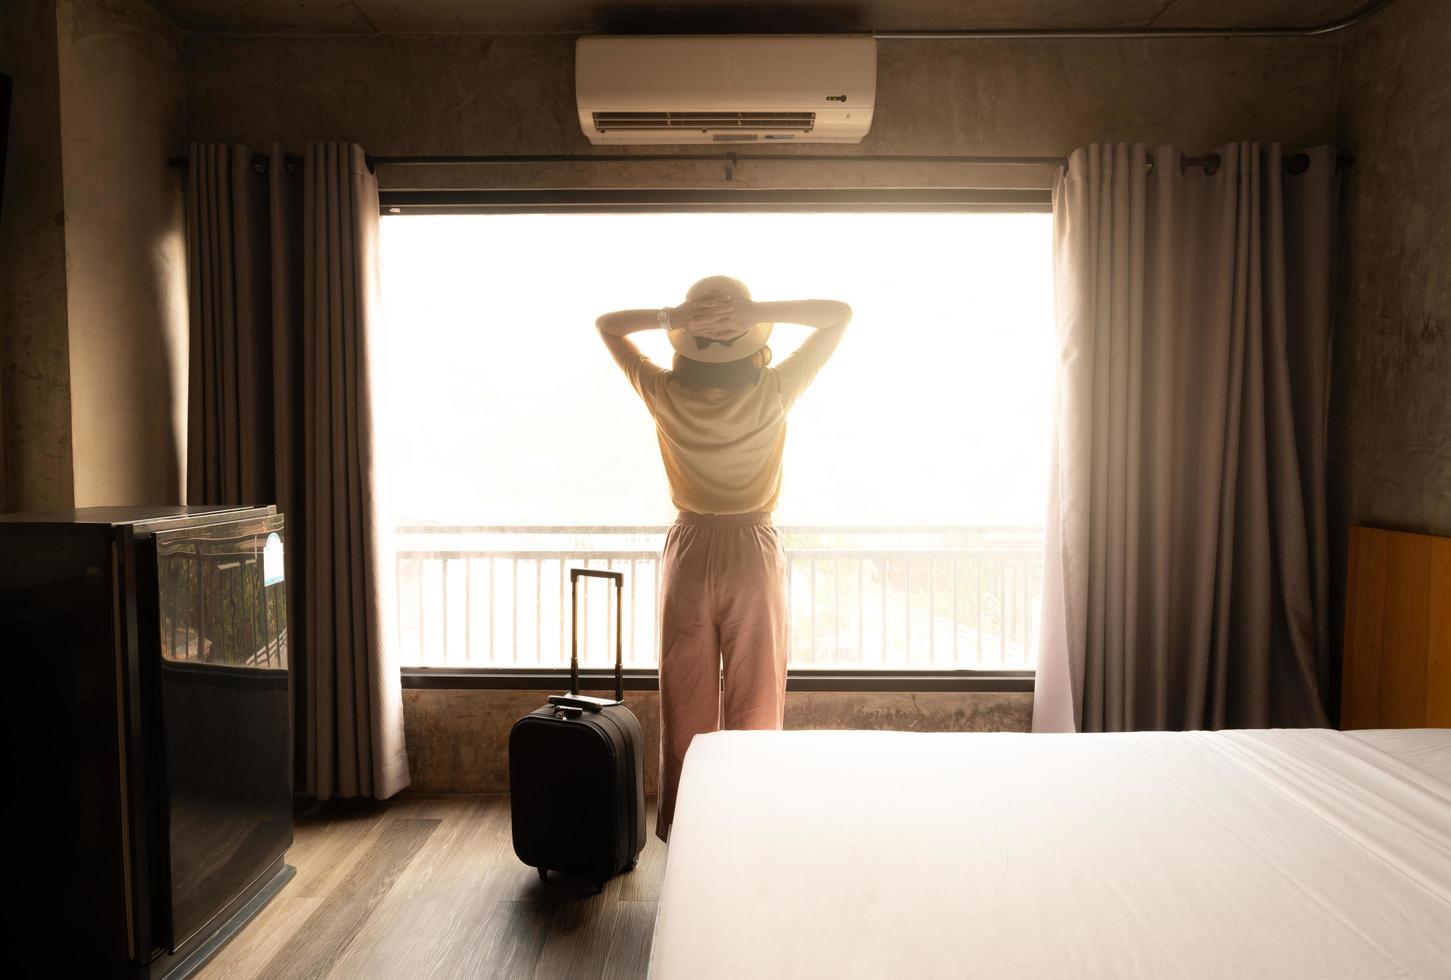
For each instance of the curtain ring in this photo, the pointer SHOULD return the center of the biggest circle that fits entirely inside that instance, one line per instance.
(1211, 164)
(1297, 164)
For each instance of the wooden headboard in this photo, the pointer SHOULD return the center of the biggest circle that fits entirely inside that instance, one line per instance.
(1397, 631)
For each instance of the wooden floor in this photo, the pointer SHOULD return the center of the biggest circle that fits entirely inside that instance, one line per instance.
(430, 887)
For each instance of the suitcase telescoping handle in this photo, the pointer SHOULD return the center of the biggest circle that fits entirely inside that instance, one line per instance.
(575, 574)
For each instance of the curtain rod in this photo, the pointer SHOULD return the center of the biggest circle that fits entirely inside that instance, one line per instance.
(1128, 33)
(1295, 163)
(729, 158)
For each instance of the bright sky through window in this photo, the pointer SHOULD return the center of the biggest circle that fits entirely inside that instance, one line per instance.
(501, 405)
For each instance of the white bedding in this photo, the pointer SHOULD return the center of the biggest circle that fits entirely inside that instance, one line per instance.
(1267, 854)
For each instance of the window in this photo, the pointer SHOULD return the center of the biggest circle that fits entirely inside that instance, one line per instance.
(916, 466)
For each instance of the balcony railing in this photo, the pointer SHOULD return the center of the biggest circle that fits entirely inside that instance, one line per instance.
(950, 598)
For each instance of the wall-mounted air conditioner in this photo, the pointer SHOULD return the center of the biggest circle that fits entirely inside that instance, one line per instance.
(726, 89)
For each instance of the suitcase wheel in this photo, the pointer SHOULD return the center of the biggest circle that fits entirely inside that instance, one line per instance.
(633, 861)
(543, 874)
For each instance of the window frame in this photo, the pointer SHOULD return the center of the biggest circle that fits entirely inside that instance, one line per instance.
(646, 679)
(539, 201)
(399, 202)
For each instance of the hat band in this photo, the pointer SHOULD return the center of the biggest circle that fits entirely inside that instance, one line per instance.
(701, 343)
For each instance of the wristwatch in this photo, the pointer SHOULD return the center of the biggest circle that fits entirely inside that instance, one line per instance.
(662, 317)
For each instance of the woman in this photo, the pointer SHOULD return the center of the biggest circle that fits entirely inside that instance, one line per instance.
(720, 415)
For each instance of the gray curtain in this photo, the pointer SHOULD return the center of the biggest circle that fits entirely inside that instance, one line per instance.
(1186, 575)
(282, 273)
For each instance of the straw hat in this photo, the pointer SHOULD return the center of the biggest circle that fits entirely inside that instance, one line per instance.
(720, 351)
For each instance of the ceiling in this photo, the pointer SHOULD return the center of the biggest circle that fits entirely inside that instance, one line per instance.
(741, 16)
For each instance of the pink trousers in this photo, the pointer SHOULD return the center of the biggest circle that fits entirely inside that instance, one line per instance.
(722, 636)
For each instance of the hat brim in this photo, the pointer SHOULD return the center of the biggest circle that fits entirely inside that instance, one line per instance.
(742, 347)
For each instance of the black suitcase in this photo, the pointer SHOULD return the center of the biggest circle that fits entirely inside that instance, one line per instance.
(577, 771)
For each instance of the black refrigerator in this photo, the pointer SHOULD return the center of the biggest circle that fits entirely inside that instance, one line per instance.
(147, 726)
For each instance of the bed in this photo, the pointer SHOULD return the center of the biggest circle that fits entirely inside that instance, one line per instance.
(1279, 854)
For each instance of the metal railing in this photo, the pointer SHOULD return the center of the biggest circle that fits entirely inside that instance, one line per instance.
(949, 598)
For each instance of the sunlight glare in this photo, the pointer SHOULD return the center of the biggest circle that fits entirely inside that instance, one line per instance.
(503, 407)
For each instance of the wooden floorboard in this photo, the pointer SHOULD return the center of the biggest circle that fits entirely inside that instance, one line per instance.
(508, 947)
(629, 951)
(315, 948)
(326, 848)
(428, 887)
(580, 935)
(262, 938)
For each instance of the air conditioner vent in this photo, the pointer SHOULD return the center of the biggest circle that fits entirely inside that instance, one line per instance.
(796, 122)
(683, 90)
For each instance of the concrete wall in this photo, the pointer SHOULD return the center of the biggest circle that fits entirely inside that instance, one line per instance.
(1392, 434)
(122, 108)
(471, 94)
(35, 407)
(458, 741)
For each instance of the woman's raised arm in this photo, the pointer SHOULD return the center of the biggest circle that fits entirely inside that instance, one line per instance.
(829, 317)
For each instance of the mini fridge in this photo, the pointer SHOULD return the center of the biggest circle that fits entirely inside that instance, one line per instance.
(147, 725)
